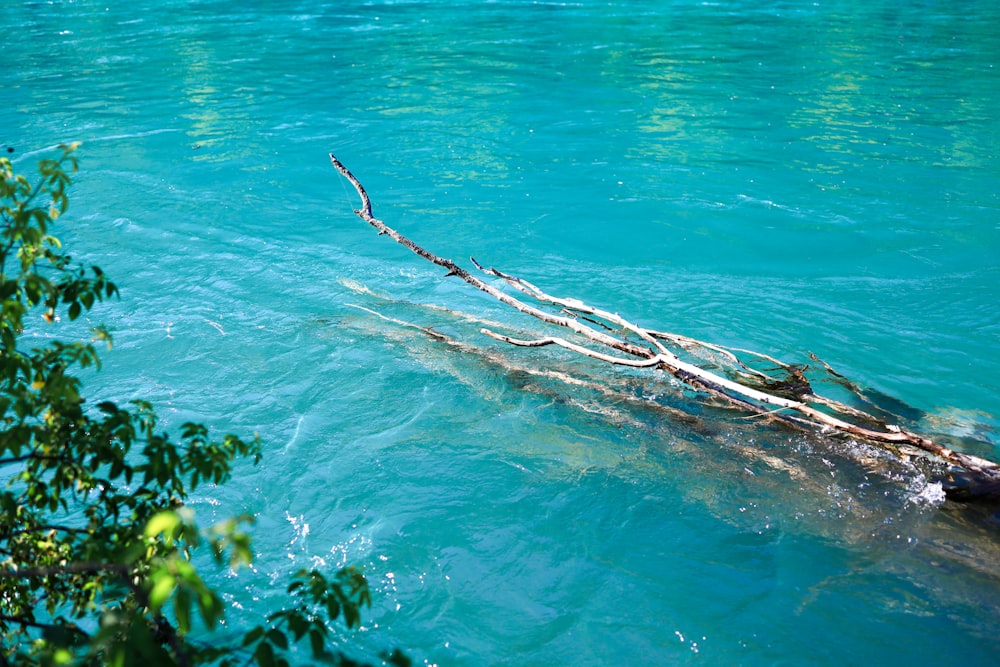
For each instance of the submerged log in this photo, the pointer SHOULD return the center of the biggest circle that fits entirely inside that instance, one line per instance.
(783, 392)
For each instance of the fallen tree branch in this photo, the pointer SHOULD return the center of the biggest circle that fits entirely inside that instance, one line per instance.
(789, 397)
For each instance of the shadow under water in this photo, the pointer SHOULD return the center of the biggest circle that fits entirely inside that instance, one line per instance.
(670, 413)
(758, 475)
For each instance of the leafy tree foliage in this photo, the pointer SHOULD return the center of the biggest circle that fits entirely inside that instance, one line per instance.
(96, 544)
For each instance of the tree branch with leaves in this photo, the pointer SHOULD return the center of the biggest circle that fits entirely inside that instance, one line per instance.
(98, 549)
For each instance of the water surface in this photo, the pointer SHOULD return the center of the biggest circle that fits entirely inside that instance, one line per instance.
(785, 177)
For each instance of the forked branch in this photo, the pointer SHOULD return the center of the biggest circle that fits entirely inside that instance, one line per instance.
(788, 395)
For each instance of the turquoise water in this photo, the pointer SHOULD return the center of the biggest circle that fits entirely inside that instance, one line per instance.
(786, 177)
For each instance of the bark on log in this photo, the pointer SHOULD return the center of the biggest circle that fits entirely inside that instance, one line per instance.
(744, 388)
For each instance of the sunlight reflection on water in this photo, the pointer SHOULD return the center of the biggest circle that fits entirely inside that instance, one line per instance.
(790, 179)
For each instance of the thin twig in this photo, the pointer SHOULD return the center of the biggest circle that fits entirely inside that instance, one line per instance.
(69, 568)
(41, 626)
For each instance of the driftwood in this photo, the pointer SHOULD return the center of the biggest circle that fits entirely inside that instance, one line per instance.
(783, 392)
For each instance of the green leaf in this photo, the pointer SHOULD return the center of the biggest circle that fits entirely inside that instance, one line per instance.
(298, 625)
(182, 610)
(210, 607)
(166, 523)
(264, 655)
(253, 635)
(317, 641)
(278, 638)
(351, 616)
(333, 609)
(163, 587)
(398, 659)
